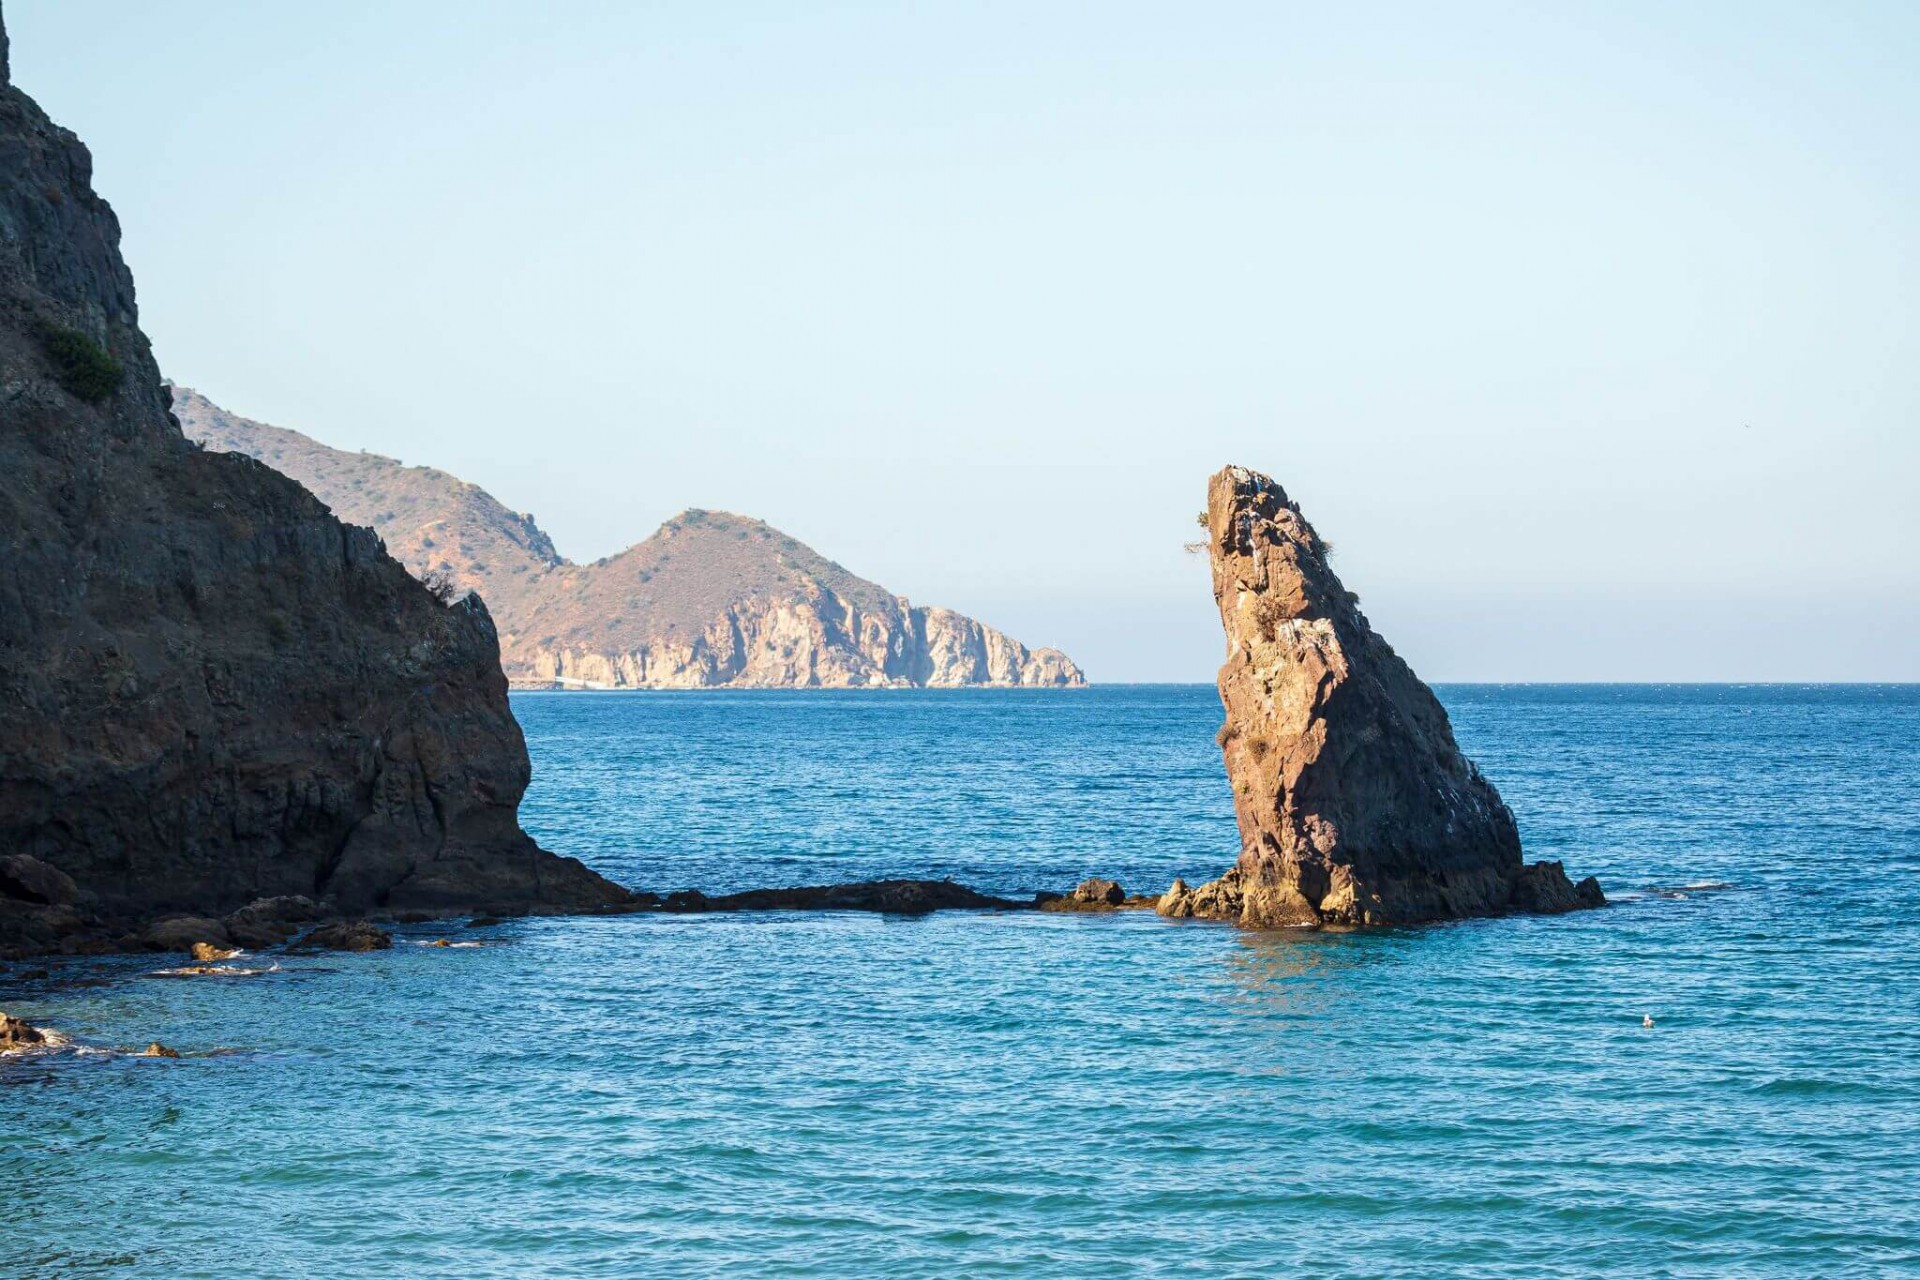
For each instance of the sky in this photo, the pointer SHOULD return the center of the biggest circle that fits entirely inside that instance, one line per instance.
(1587, 332)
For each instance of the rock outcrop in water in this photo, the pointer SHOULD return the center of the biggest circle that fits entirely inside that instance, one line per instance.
(710, 600)
(211, 690)
(892, 897)
(1354, 802)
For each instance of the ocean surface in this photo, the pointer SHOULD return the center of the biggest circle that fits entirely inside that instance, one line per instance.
(1048, 1096)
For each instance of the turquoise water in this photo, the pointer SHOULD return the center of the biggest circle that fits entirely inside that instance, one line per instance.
(1023, 1095)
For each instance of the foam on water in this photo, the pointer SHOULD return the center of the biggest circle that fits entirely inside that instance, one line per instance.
(1049, 1095)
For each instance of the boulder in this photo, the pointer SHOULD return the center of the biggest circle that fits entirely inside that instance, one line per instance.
(347, 935)
(32, 928)
(1089, 895)
(157, 1050)
(1545, 889)
(28, 879)
(1096, 892)
(16, 1034)
(1355, 804)
(1215, 900)
(184, 933)
(267, 922)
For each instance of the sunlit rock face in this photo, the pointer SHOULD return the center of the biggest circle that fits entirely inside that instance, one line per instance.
(1355, 804)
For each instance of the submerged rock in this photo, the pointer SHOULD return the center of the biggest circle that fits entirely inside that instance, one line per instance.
(1355, 804)
(347, 935)
(157, 1050)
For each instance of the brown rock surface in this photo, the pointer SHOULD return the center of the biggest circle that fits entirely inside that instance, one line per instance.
(1354, 802)
(347, 935)
(711, 599)
(211, 690)
(1094, 895)
(1215, 900)
(16, 1034)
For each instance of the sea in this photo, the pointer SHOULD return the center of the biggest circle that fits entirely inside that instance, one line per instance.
(1020, 1094)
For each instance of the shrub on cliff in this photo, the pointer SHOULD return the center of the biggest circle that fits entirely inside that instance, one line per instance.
(82, 365)
(440, 582)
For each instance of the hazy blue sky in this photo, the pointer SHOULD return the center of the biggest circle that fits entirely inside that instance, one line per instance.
(1587, 332)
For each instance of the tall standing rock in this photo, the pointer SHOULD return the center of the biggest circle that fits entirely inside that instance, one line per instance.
(210, 689)
(1355, 804)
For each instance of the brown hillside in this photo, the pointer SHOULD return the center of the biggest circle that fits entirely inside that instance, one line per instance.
(710, 599)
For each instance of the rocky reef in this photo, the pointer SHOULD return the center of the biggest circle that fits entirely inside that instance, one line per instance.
(1355, 804)
(890, 897)
(211, 690)
(710, 600)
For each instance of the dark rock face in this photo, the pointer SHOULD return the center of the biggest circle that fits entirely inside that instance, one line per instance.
(266, 922)
(211, 690)
(30, 880)
(901, 897)
(1354, 802)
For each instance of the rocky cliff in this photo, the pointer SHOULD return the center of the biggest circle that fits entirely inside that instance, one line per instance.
(211, 690)
(1355, 804)
(710, 600)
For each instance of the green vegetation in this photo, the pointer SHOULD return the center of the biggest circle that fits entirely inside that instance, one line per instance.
(82, 365)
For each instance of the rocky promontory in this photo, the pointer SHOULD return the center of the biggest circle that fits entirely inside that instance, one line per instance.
(212, 691)
(1355, 804)
(710, 600)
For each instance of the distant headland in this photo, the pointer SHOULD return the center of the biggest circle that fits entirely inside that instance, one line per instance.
(710, 600)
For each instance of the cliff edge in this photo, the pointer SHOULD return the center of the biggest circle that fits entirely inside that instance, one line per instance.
(1355, 804)
(211, 690)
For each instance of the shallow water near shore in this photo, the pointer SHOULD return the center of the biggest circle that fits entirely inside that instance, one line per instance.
(1036, 1095)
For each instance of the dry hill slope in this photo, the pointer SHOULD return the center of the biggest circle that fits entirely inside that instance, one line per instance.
(710, 600)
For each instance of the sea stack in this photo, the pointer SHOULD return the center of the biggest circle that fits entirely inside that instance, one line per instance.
(1355, 804)
(211, 690)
